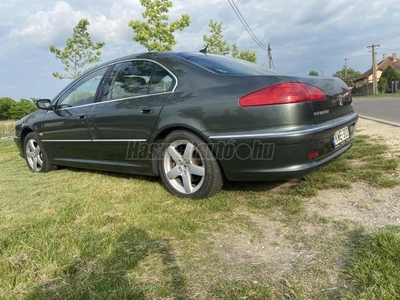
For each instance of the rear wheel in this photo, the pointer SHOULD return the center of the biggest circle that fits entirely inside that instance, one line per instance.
(187, 166)
(35, 155)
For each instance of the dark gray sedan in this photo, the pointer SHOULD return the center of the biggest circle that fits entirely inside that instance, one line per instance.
(193, 119)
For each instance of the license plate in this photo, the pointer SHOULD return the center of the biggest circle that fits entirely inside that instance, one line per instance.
(340, 136)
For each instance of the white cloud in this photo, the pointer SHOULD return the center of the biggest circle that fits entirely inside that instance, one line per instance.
(304, 35)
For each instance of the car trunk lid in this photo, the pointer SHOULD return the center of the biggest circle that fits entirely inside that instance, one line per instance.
(338, 100)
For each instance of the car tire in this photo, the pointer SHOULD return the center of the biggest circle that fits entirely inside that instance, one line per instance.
(35, 155)
(187, 166)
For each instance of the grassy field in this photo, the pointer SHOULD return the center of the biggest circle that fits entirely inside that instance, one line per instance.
(7, 128)
(73, 234)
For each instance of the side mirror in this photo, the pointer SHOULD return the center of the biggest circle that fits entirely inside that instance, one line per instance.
(44, 104)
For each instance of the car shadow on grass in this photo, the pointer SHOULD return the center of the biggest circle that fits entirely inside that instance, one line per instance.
(119, 275)
(232, 186)
(256, 186)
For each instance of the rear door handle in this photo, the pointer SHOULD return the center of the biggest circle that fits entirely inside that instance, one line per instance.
(82, 117)
(146, 110)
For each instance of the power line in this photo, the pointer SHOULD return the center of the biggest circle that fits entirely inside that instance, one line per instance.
(246, 26)
(391, 35)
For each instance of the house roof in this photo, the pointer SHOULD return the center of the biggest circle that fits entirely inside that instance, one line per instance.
(392, 61)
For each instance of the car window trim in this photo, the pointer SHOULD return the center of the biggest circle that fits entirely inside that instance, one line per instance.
(55, 100)
(98, 100)
(101, 85)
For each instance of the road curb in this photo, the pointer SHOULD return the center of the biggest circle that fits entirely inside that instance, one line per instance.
(380, 121)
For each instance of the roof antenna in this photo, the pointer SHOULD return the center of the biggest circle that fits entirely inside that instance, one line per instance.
(204, 50)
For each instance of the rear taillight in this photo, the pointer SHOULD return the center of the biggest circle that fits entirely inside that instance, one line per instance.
(282, 93)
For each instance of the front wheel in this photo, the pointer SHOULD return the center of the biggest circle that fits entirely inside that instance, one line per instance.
(35, 155)
(187, 166)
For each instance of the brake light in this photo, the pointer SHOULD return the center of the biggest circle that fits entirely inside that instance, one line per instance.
(283, 93)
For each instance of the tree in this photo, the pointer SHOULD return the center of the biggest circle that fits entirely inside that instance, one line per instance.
(387, 77)
(348, 75)
(22, 108)
(156, 34)
(382, 85)
(217, 45)
(12, 110)
(5, 105)
(215, 42)
(78, 52)
(313, 73)
(245, 54)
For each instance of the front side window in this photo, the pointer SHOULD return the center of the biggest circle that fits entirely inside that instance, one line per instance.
(129, 79)
(83, 92)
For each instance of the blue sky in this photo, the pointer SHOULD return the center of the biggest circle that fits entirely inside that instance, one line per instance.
(304, 35)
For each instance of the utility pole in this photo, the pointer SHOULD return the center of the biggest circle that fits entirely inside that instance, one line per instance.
(374, 68)
(269, 56)
(345, 68)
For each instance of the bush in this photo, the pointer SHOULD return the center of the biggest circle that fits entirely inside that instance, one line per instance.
(12, 110)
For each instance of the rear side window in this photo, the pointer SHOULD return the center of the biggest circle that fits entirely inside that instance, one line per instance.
(225, 65)
(129, 79)
(162, 81)
(137, 78)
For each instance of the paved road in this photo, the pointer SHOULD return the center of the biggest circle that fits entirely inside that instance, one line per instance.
(381, 109)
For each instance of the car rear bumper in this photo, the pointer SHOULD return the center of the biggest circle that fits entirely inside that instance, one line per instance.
(281, 153)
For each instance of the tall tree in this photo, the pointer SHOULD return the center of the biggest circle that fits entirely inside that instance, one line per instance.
(313, 73)
(217, 44)
(215, 41)
(244, 54)
(156, 34)
(348, 75)
(78, 52)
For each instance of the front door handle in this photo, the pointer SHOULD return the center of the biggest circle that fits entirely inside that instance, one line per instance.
(82, 117)
(146, 110)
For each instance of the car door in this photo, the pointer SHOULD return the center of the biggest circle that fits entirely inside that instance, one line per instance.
(64, 130)
(122, 122)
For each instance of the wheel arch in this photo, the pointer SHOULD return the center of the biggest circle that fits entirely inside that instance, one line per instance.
(23, 135)
(164, 132)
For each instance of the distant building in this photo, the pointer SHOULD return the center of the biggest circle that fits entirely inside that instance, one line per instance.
(364, 82)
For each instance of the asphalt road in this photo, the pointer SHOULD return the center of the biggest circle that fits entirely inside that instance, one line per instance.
(385, 110)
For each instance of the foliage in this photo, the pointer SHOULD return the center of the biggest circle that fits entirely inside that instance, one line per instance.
(313, 73)
(78, 52)
(244, 54)
(217, 45)
(12, 110)
(156, 34)
(382, 85)
(5, 107)
(348, 75)
(386, 78)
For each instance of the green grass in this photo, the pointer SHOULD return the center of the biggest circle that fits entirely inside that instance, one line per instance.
(73, 234)
(374, 268)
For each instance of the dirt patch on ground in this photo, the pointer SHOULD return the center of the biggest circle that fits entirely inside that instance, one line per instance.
(310, 240)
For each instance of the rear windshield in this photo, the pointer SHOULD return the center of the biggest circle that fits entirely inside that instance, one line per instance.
(227, 65)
